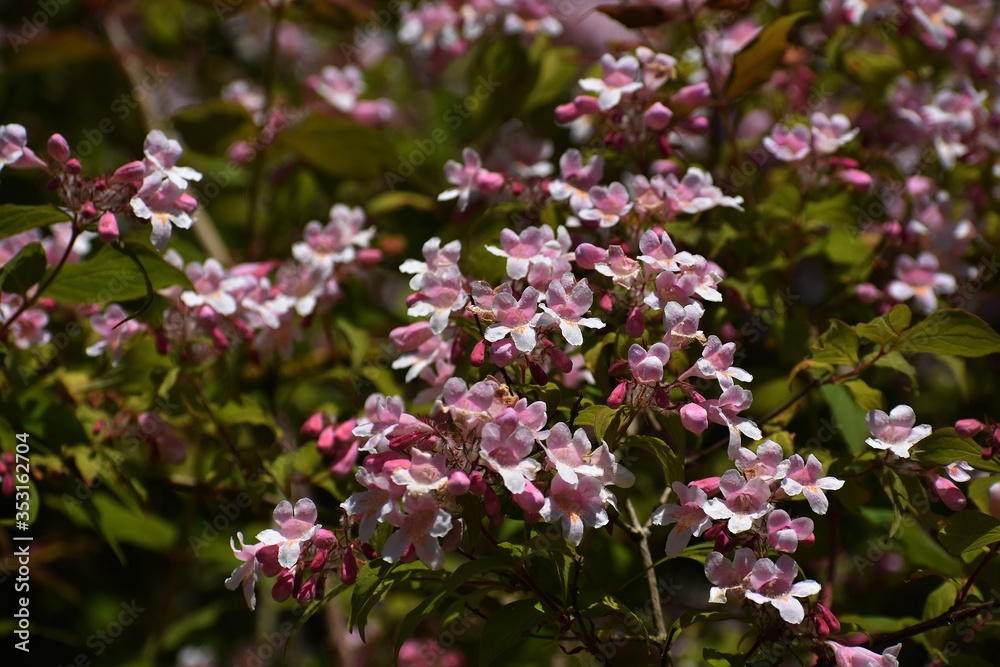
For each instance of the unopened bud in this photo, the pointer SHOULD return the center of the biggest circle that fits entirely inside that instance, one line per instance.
(617, 396)
(478, 355)
(58, 148)
(129, 173)
(107, 228)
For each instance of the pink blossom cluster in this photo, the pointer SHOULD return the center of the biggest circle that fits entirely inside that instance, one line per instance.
(298, 554)
(479, 439)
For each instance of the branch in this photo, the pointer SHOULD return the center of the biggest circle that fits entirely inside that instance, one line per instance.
(947, 618)
(647, 561)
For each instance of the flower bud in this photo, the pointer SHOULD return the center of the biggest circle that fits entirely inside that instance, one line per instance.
(857, 179)
(966, 428)
(694, 418)
(458, 483)
(324, 539)
(325, 442)
(476, 483)
(710, 485)
(867, 293)
(492, 506)
(635, 323)
(503, 352)
(411, 336)
(995, 500)
(658, 117)
(587, 255)
(949, 494)
(312, 426)
(478, 356)
(107, 228)
(129, 173)
(560, 360)
(73, 166)
(368, 551)
(617, 396)
(88, 211)
(538, 374)
(368, 256)
(186, 203)
(58, 148)
(694, 95)
(307, 592)
(282, 589)
(489, 182)
(530, 500)
(586, 105)
(606, 304)
(566, 113)
(349, 568)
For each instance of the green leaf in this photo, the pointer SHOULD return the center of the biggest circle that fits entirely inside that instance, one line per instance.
(23, 269)
(607, 423)
(463, 573)
(839, 345)
(338, 147)
(849, 419)
(506, 627)
(944, 446)
(16, 219)
(938, 602)
(672, 465)
(897, 362)
(371, 586)
(755, 63)
(886, 328)
(969, 530)
(111, 276)
(866, 397)
(950, 331)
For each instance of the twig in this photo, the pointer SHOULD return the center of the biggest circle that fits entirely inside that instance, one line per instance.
(30, 301)
(947, 618)
(647, 561)
(975, 573)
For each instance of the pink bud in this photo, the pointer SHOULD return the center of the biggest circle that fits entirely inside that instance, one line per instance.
(307, 592)
(241, 152)
(538, 374)
(282, 589)
(606, 304)
(566, 113)
(635, 324)
(369, 256)
(220, 339)
(694, 95)
(476, 483)
(98, 427)
(587, 255)
(73, 166)
(162, 343)
(58, 148)
(530, 500)
(893, 228)
(696, 125)
(186, 203)
(312, 426)
(694, 418)
(586, 105)
(950, 494)
(617, 396)
(826, 622)
(349, 568)
(867, 293)
(995, 500)
(412, 336)
(489, 182)
(88, 211)
(243, 330)
(107, 228)
(560, 360)
(414, 298)
(503, 352)
(966, 428)
(658, 117)
(129, 173)
(325, 442)
(492, 505)
(324, 539)
(618, 368)
(458, 483)
(369, 551)
(478, 356)
(857, 179)
(710, 485)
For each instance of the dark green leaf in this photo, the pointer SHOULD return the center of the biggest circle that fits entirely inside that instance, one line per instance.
(506, 627)
(866, 397)
(16, 219)
(23, 269)
(944, 446)
(950, 331)
(839, 345)
(672, 465)
(969, 530)
(110, 276)
(340, 148)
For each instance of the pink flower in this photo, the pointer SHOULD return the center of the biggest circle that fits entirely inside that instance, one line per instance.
(438, 260)
(525, 249)
(619, 77)
(340, 88)
(745, 501)
(469, 177)
(568, 309)
(717, 363)
(441, 295)
(213, 287)
(246, 574)
(681, 324)
(516, 318)
(830, 133)
(161, 161)
(945, 489)
(14, 151)
(920, 279)
(336, 243)
(576, 179)
(895, 431)
(29, 328)
(696, 192)
(728, 576)
(657, 68)
(959, 471)
(575, 505)
(657, 251)
(689, 515)
(772, 584)
(725, 410)
(785, 533)
(647, 365)
(372, 505)
(505, 446)
(768, 463)
(426, 473)
(618, 266)
(856, 656)
(607, 205)
(420, 525)
(804, 478)
(789, 146)
(295, 527)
